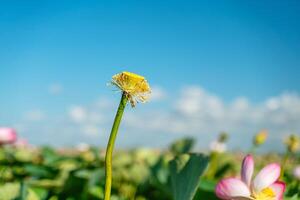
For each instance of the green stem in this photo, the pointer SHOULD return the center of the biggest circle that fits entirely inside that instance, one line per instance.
(253, 149)
(110, 146)
(213, 165)
(283, 163)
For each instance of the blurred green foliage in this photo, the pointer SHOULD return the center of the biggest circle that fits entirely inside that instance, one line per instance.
(138, 174)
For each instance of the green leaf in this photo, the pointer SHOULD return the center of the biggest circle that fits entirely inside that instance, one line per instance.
(9, 191)
(39, 171)
(96, 192)
(32, 195)
(206, 190)
(295, 197)
(182, 146)
(186, 170)
(41, 193)
(46, 183)
(208, 185)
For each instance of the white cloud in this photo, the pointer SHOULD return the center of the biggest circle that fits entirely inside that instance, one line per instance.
(194, 112)
(195, 101)
(240, 104)
(284, 109)
(201, 114)
(273, 103)
(78, 114)
(90, 130)
(55, 89)
(158, 93)
(90, 120)
(103, 103)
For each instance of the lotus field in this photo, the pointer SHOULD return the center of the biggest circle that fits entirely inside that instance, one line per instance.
(176, 172)
(46, 173)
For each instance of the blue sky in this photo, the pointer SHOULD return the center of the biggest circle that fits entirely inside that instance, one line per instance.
(230, 49)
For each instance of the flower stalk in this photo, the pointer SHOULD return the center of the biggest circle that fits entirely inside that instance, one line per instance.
(110, 146)
(134, 88)
(292, 146)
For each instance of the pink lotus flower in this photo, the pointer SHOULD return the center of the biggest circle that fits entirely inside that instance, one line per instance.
(265, 186)
(7, 136)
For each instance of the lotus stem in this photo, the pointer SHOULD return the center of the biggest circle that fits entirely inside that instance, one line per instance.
(110, 146)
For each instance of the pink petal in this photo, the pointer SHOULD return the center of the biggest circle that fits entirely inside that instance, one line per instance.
(7, 135)
(232, 188)
(278, 187)
(247, 169)
(266, 177)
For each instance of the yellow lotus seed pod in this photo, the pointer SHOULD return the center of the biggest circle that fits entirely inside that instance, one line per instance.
(135, 87)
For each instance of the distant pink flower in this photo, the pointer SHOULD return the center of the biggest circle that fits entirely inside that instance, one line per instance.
(265, 186)
(7, 135)
(296, 172)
